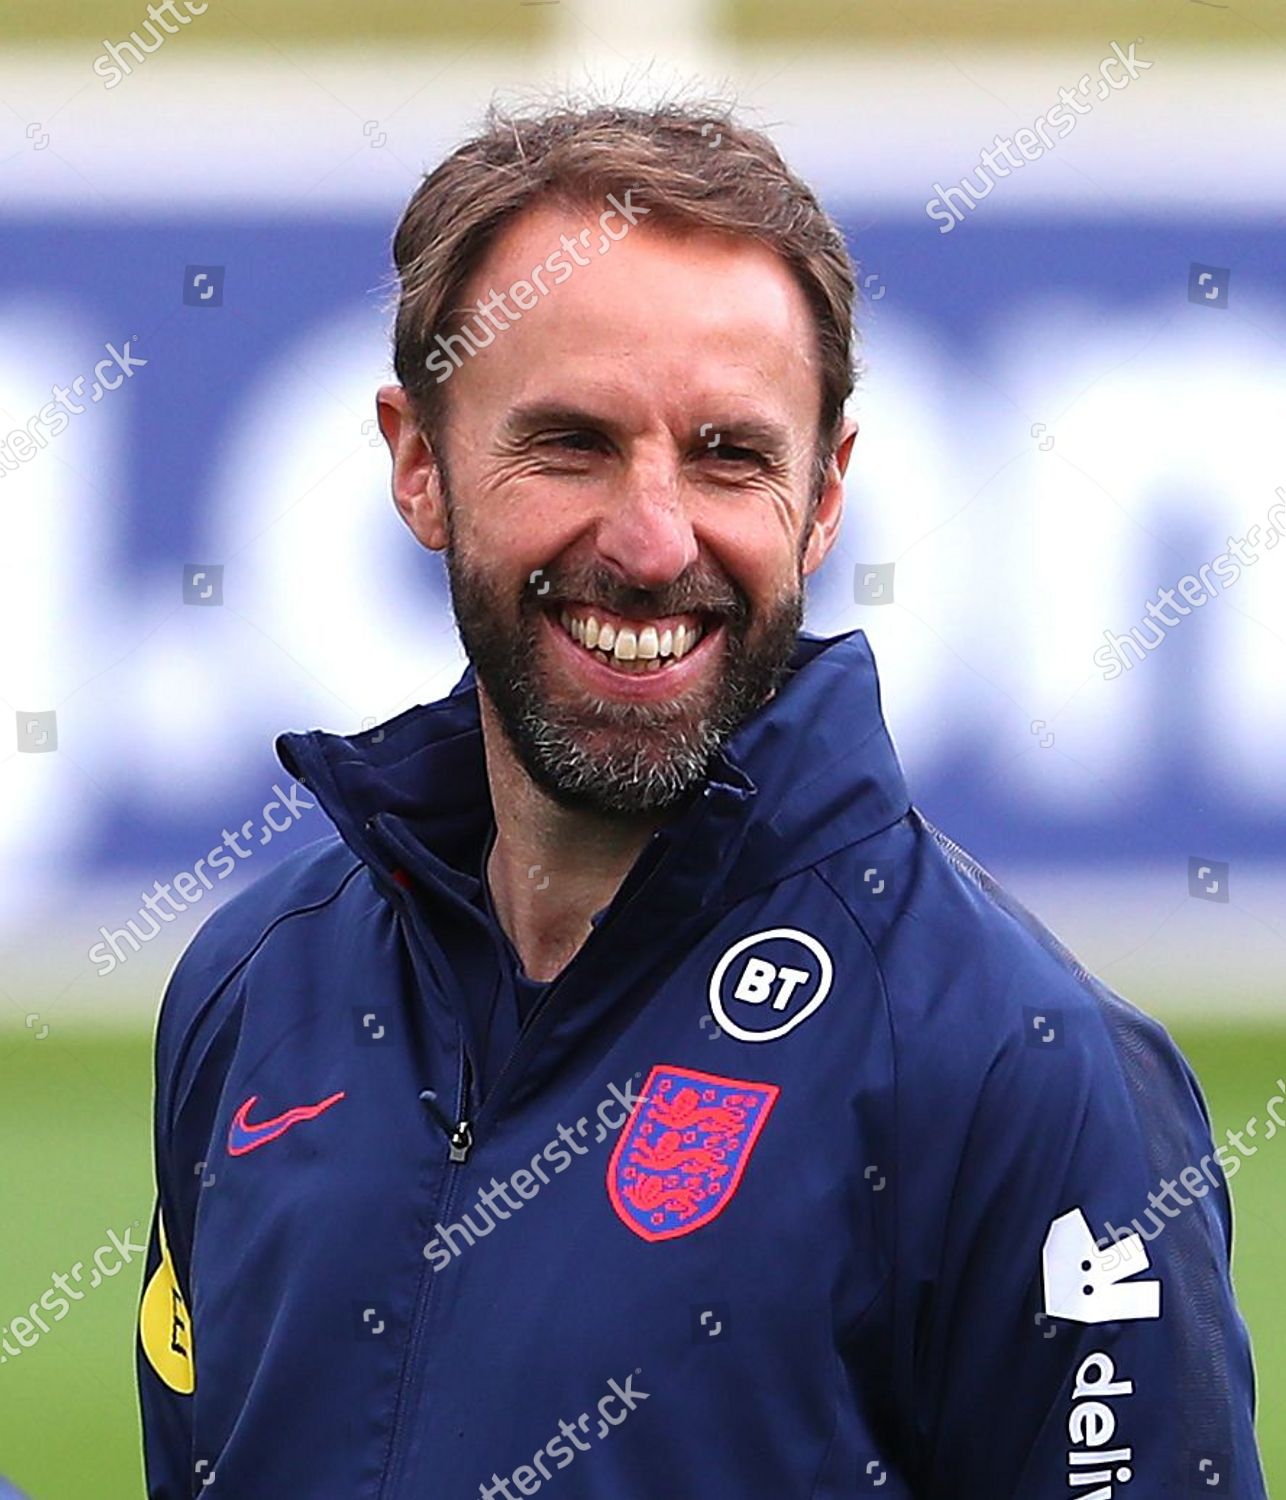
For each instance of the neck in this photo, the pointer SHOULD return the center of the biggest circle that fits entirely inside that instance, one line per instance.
(552, 867)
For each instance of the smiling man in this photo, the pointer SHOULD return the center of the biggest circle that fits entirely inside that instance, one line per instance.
(635, 1095)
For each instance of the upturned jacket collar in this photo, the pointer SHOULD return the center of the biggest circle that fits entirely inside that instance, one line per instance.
(812, 772)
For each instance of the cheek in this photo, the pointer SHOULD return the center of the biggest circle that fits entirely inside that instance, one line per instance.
(756, 552)
(525, 525)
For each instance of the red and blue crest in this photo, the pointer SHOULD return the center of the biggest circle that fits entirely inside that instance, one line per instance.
(682, 1154)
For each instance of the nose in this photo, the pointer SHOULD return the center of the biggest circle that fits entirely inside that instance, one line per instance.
(645, 531)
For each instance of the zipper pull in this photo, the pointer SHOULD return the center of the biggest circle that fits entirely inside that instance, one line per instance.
(459, 1136)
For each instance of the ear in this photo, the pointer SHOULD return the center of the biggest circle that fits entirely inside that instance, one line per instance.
(830, 505)
(417, 476)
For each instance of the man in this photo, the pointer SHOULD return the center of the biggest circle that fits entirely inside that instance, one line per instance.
(635, 1096)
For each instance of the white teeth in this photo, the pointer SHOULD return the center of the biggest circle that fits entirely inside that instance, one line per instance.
(647, 645)
(692, 635)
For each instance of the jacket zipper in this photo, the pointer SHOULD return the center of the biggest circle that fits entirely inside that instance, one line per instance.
(459, 1138)
(460, 1135)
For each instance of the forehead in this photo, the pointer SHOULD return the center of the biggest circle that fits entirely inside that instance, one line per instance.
(663, 315)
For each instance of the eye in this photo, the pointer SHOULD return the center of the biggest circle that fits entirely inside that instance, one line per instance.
(581, 441)
(730, 453)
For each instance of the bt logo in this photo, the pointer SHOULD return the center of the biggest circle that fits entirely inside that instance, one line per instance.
(768, 983)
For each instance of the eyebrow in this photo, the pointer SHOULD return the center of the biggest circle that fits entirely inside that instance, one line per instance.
(531, 417)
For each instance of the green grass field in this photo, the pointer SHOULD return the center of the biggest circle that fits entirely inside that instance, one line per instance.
(74, 1110)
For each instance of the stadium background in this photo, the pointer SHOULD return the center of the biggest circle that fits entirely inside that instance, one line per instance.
(1059, 420)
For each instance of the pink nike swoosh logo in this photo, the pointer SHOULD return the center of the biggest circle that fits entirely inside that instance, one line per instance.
(243, 1136)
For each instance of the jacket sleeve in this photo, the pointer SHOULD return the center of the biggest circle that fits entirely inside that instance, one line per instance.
(1081, 1335)
(165, 1354)
(165, 1369)
(195, 1034)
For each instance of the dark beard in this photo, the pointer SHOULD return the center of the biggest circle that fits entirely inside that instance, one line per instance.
(612, 757)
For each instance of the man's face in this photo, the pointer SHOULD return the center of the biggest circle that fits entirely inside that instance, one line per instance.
(623, 486)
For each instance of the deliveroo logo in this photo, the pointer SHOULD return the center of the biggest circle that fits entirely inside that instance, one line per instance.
(1084, 1284)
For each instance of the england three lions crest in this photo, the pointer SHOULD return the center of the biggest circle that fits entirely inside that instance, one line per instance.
(680, 1158)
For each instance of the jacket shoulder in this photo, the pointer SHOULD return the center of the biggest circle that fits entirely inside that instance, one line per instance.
(971, 976)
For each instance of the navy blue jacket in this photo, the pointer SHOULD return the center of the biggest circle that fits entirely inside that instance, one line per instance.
(821, 1170)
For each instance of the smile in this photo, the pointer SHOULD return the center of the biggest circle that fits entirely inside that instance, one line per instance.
(633, 646)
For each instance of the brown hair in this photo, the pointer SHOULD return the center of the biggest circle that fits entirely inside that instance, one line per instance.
(693, 166)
